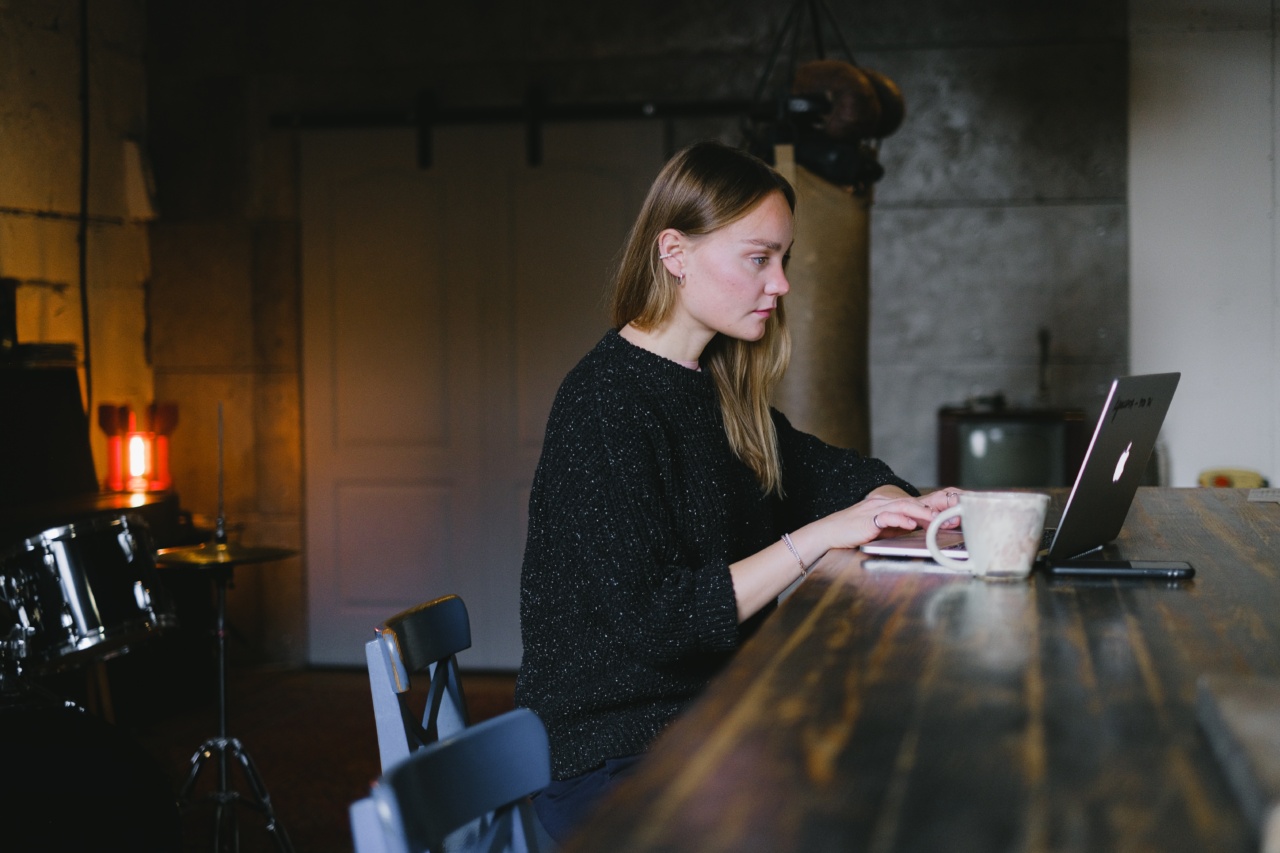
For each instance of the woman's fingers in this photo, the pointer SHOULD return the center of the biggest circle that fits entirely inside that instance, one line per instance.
(882, 516)
(913, 513)
(943, 498)
(902, 517)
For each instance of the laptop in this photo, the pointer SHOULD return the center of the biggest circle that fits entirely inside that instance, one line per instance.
(1109, 476)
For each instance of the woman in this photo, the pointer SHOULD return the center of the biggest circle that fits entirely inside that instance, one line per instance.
(671, 505)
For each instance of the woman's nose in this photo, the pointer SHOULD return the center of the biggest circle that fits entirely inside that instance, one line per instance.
(778, 285)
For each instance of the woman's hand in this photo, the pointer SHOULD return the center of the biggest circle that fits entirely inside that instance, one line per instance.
(887, 512)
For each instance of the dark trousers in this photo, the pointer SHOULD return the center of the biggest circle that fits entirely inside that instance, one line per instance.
(564, 804)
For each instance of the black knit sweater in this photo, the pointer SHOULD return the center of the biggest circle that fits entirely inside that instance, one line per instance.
(638, 507)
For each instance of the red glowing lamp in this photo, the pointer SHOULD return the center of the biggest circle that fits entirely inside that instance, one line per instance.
(138, 460)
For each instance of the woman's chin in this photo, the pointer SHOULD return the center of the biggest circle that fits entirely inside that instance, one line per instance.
(751, 332)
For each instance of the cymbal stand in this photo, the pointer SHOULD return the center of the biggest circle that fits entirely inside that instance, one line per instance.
(224, 798)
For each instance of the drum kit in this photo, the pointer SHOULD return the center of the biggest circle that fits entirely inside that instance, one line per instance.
(81, 592)
(73, 596)
(85, 592)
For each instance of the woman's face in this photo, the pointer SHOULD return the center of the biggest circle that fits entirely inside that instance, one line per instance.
(734, 277)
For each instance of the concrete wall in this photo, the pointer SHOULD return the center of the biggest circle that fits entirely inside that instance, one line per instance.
(40, 188)
(1203, 175)
(1002, 211)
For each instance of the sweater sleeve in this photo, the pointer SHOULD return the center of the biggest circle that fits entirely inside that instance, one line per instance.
(819, 479)
(611, 527)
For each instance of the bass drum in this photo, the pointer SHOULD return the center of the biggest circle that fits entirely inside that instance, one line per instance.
(83, 591)
(74, 782)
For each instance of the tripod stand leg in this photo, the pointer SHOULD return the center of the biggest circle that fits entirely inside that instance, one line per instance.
(224, 814)
(222, 797)
(203, 754)
(264, 799)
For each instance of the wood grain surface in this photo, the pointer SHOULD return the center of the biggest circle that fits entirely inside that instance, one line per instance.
(890, 711)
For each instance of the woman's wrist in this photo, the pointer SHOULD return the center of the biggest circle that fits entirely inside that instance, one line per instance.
(807, 544)
(804, 567)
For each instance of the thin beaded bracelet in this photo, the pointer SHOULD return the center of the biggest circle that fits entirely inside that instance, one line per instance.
(786, 540)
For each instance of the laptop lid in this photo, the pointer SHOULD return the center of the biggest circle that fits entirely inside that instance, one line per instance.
(1114, 463)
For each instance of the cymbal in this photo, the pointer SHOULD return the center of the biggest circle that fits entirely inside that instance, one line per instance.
(220, 554)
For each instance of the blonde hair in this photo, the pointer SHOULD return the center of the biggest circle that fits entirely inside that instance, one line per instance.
(704, 188)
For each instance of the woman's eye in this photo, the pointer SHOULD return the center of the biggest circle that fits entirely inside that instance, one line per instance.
(760, 261)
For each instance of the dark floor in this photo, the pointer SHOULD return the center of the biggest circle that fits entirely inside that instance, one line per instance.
(310, 734)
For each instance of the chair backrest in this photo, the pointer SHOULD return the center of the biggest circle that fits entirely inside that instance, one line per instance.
(425, 638)
(483, 773)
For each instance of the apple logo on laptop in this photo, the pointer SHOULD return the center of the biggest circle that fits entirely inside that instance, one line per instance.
(1124, 457)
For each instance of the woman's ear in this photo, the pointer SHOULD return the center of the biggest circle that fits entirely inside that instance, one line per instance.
(671, 245)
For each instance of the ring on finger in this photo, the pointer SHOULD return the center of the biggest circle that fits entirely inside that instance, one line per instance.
(875, 519)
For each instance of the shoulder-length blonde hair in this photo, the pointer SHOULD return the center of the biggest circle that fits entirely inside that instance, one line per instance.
(704, 188)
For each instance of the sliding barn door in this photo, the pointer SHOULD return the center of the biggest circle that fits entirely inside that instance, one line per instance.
(441, 308)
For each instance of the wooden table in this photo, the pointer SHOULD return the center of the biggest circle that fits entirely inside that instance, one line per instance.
(924, 712)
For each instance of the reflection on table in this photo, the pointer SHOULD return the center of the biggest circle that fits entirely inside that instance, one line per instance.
(892, 711)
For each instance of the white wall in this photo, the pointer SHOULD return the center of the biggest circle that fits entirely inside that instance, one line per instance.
(1204, 285)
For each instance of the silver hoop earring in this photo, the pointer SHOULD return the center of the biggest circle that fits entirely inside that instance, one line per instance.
(667, 255)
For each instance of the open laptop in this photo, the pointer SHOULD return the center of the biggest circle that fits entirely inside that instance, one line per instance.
(1109, 476)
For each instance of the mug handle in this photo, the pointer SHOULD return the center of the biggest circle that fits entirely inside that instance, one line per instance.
(931, 540)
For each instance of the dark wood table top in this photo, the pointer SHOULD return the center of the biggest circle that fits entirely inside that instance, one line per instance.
(890, 711)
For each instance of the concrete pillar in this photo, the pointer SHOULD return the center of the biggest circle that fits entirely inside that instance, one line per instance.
(826, 389)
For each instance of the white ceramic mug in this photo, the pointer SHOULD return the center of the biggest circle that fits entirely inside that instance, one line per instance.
(1002, 532)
